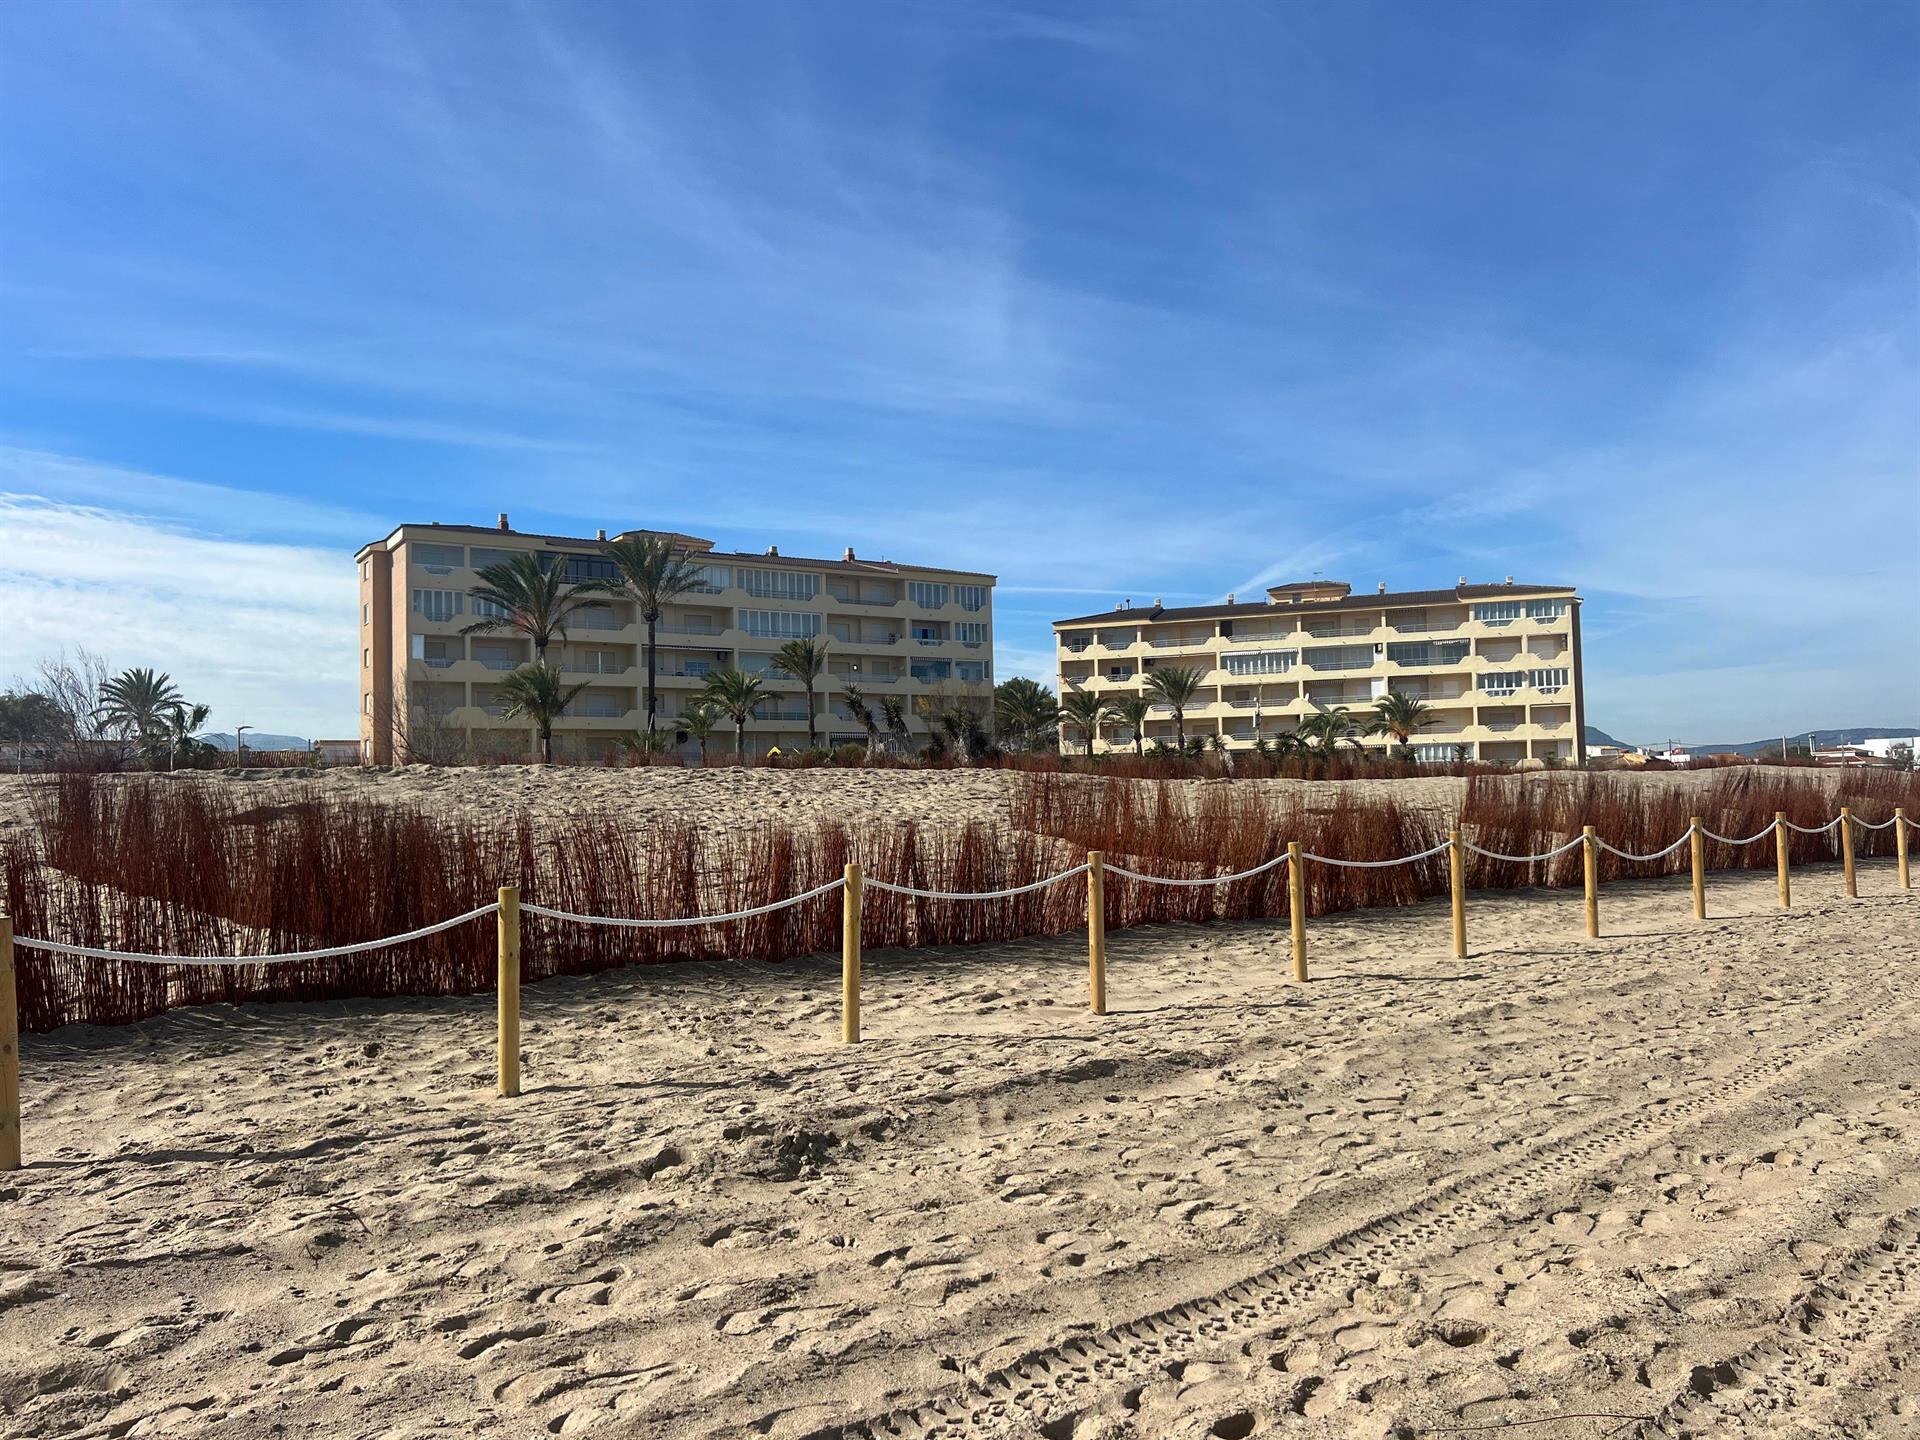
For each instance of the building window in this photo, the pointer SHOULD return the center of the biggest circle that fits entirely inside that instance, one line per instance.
(1261, 662)
(366, 704)
(1428, 654)
(490, 609)
(366, 614)
(1499, 612)
(1546, 609)
(366, 569)
(784, 624)
(438, 559)
(971, 632)
(582, 568)
(778, 584)
(711, 579)
(931, 671)
(971, 671)
(1550, 680)
(1437, 752)
(366, 659)
(438, 605)
(926, 594)
(1502, 682)
(970, 597)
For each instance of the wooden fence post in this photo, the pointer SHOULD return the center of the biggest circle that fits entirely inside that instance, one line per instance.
(1297, 907)
(1846, 851)
(1900, 845)
(1097, 931)
(1457, 877)
(1699, 868)
(850, 957)
(508, 926)
(1590, 866)
(9, 1053)
(1780, 857)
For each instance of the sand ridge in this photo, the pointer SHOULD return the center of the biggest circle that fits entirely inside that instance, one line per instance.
(1669, 1174)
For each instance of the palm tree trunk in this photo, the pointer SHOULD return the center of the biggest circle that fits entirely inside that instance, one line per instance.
(740, 740)
(653, 662)
(546, 743)
(813, 733)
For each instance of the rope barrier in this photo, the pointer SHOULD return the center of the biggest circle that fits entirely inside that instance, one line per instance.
(872, 884)
(1656, 855)
(622, 922)
(1496, 855)
(1265, 865)
(332, 952)
(1727, 840)
(336, 951)
(1439, 849)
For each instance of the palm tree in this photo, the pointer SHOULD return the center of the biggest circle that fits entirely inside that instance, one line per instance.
(894, 715)
(653, 570)
(176, 737)
(736, 695)
(1023, 711)
(532, 600)
(1176, 685)
(537, 692)
(700, 719)
(1329, 729)
(961, 730)
(136, 703)
(1087, 711)
(1132, 711)
(1401, 716)
(861, 709)
(803, 660)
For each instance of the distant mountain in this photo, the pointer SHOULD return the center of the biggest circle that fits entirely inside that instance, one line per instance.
(257, 740)
(1597, 736)
(1825, 737)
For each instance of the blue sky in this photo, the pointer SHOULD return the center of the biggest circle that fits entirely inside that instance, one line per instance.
(1112, 301)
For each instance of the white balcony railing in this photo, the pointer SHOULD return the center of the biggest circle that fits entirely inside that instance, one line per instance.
(498, 662)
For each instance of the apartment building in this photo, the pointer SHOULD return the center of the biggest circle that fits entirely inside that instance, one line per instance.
(923, 634)
(1498, 664)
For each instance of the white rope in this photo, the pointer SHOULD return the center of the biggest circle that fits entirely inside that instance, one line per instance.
(1814, 829)
(1265, 865)
(1864, 825)
(58, 948)
(1557, 850)
(629, 924)
(1381, 864)
(1656, 855)
(975, 894)
(1728, 840)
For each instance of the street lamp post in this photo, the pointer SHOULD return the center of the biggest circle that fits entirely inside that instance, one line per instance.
(239, 742)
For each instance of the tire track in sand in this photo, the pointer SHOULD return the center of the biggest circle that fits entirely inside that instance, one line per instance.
(1075, 1374)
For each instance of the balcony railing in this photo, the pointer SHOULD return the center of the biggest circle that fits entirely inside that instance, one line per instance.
(498, 662)
(1328, 632)
(840, 599)
(438, 662)
(597, 622)
(1168, 642)
(600, 709)
(929, 639)
(1367, 664)
(1077, 647)
(688, 627)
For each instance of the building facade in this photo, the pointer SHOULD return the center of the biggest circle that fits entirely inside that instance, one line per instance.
(923, 634)
(1499, 665)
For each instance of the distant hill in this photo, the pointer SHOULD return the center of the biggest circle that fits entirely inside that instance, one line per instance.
(1596, 736)
(257, 740)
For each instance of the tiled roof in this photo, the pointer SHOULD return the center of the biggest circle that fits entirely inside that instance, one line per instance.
(1393, 599)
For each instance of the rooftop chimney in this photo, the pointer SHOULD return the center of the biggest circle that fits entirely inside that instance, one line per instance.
(1463, 580)
(503, 521)
(600, 534)
(1383, 587)
(1156, 603)
(773, 549)
(1509, 579)
(848, 557)
(1229, 597)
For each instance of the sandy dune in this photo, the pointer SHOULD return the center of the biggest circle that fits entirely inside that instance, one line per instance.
(1667, 1177)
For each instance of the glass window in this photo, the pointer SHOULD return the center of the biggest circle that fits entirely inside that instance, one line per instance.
(932, 670)
(1550, 679)
(1546, 609)
(1261, 662)
(712, 579)
(926, 594)
(483, 557)
(438, 558)
(1498, 612)
(970, 597)
(971, 671)
(971, 632)
(778, 584)
(786, 624)
(437, 605)
(582, 568)
(490, 609)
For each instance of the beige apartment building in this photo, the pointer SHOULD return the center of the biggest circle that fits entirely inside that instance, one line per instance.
(1499, 664)
(923, 634)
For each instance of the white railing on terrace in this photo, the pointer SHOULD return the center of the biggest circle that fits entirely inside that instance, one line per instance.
(1168, 642)
(688, 627)
(1329, 632)
(1314, 664)
(1077, 647)
(437, 662)
(499, 662)
(855, 600)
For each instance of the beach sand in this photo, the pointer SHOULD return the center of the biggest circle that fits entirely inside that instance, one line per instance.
(1669, 1174)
